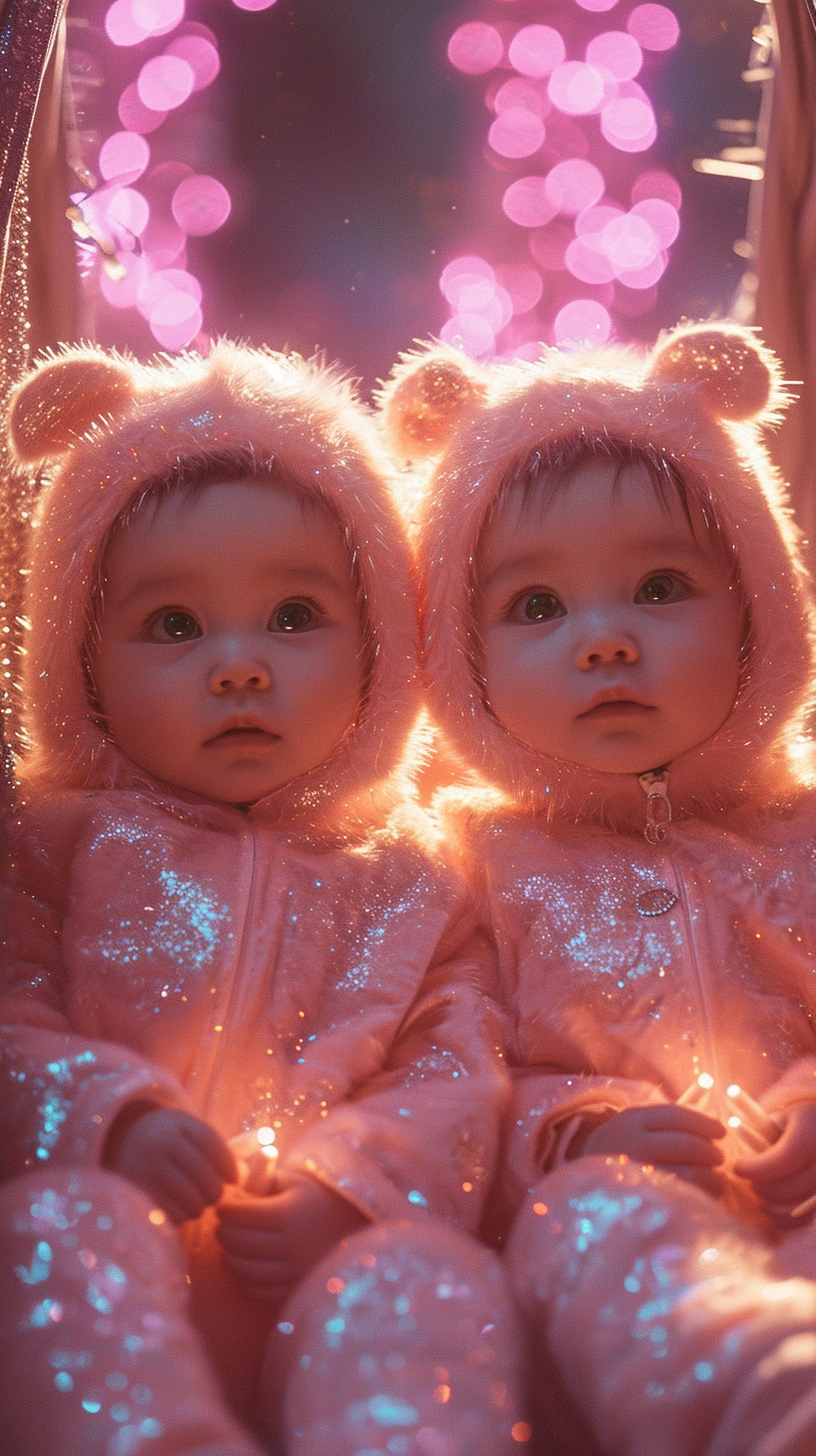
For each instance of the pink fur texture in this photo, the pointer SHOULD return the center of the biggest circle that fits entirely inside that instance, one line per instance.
(302, 414)
(703, 396)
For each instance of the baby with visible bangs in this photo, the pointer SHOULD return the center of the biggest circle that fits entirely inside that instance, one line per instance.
(620, 642)
(237, 996)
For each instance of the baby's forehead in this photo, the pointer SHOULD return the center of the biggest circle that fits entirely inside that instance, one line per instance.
(626, 507)
(248, 526)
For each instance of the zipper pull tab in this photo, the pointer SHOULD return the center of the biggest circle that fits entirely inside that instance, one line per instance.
(655, 785)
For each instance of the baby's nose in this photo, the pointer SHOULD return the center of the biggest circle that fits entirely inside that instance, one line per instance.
(240, 672)
(605, 648)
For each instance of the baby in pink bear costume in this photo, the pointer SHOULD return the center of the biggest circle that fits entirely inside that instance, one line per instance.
(620, 640)
(237, 996)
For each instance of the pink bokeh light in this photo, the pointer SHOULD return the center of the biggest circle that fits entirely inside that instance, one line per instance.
(524, 285)
(201, 205)
(582, 321)
(163, 242)
(573, 185)
(470, 333)
(120, 26)
(549, 244)
(522, 94)
(630, 243)
(165, 82)
(516, 133)
(587, 262)
(597, 6)
(175, 320)
(661, 217)
(163, 281)
(200, 55)
(253, 4)
(475, 48)
(129, 210)
(125, 154)
(536, 50)
(134, 115)
(657, 184)
(655, 27)
(157, 17)
(617, 52)
(576, 88)
(124, 292)
(628, 123)
(638, 278)
(468, 266)
(527, 203)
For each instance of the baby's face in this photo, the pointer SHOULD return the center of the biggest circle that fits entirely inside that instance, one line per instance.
(611, 629)
(230, 646)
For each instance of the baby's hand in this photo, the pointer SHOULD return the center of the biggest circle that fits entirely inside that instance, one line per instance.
(785, 1174)
(177, 1159)
(677, 1139)
(270, 1243)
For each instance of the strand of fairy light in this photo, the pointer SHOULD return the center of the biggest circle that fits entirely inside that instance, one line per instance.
(567, 234)
(142, 242)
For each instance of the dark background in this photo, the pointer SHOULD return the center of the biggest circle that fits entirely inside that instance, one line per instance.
(354, 155)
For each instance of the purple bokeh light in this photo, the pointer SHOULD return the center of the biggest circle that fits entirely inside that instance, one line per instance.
(527, 203)
(253, 4)
(157, 17)
(573, 185)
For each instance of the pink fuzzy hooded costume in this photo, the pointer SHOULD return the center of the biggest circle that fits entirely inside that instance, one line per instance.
(635, 962)
(295, 965)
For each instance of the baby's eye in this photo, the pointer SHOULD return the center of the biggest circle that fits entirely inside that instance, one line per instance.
(661, 588)
(292, 617)
(174, 626)
(539, 606)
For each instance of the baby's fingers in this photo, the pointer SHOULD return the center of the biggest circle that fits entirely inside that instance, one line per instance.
(682, 1148)
(706, 1179)
(249, 1243)
(213, 1148)
(671, 1117)
(266, 1279)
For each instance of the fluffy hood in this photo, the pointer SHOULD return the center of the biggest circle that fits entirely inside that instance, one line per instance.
(99, 425)
(702, 397)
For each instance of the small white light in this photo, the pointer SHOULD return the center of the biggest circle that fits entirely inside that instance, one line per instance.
(734, 1122)
(265, 1136)
(705, 1080)
(733, 1091)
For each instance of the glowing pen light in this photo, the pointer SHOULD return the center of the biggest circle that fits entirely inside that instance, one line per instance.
(266, 1140)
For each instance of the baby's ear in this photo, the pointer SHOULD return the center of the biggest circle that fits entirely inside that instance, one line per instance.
(427, 394)
(63, 396)
(737, 377)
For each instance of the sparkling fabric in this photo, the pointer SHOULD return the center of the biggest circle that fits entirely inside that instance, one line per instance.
(225, 967)
(98, 1356)
(634, 1005)
(414, 1335)
(658, 1323)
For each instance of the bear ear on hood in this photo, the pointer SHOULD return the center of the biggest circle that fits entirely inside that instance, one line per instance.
(737, 378)
(427, 394)
(62, 398)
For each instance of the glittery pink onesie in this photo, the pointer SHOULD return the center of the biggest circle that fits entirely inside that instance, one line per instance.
(633, 965)
(291, 965)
